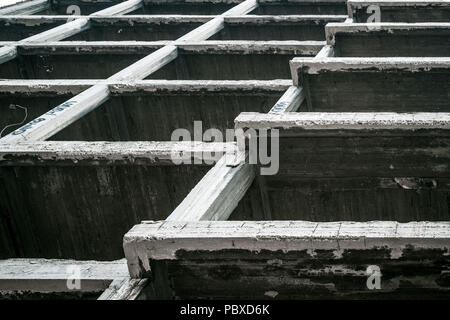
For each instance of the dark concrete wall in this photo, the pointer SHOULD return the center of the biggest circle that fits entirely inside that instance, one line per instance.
(67, 66)
(82, 212)
(240, 274)
(394, 178)
(14, 32)
(171, 31)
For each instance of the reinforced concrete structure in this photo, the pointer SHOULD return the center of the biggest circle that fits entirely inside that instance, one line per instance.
(354, 97)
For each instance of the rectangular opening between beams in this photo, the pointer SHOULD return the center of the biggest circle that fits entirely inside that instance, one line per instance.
(89, 65)
(213, 8)
(333, 173)
(13, 30)
(226, 66)
(77, 207)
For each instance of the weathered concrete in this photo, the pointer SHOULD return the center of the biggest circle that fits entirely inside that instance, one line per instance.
(42, 217)
(86, 6)
(389, 39)
(301, 7)
(143, 110)
(17, 28)
(374, 84)
(124, 289)
(47, 153)
(47, 276)
(101, 59)
(401, 11)
(290, 259)
(266, 7)
(354, 166)
(25, 8)
(218, 193)
(139, 29)
(72, 110)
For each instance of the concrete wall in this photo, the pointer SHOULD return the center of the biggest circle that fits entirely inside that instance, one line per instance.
(226, 67)
(18, 31)
(82, 212)
(241, 274)
(354, 178)
(379, 91)
(154, 116)
(429, 43)
(401, 13)
(69, 66)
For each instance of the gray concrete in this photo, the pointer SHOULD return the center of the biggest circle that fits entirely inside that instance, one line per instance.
(389, 39)
(354, 167)
(289, 259)
(397, 84)
(401, 11)
(145, 110)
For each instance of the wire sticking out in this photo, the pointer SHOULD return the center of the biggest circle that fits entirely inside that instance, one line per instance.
(14, 107)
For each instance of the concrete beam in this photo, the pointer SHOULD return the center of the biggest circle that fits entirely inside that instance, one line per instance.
(60, 117)
(66, 30)
(389, 39)
(52, 275)
(401, 11)
(180, 86)
(30, 87)
(305, 48)
(101, 152)
(26, 20)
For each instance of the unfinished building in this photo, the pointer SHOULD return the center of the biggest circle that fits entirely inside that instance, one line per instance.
(91, 92)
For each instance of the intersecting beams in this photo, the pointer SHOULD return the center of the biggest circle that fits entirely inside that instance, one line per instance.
(79, 60)
(356, 166)
(389, 39)
(70, 111)
(142, 110)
